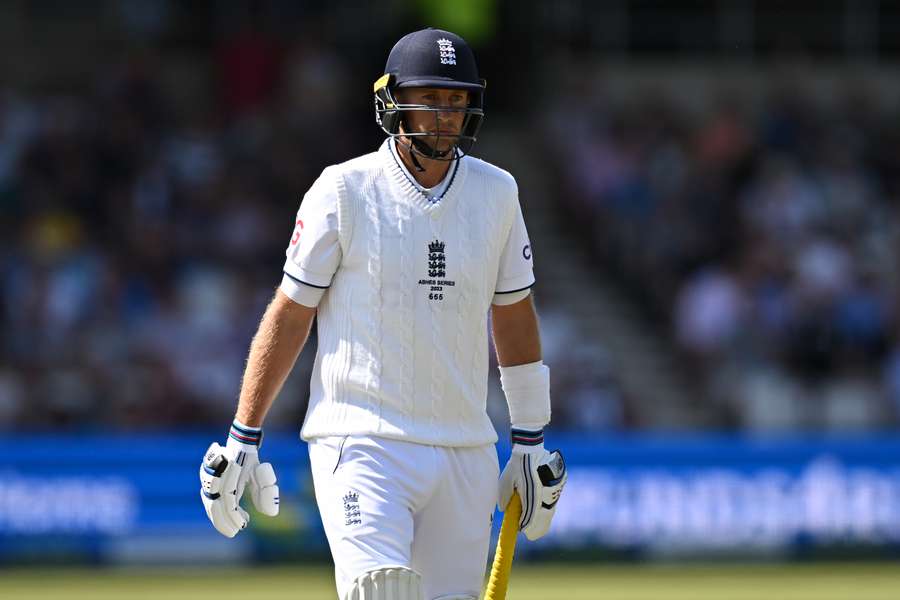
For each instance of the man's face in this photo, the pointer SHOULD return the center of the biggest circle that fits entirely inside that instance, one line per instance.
(447, 124)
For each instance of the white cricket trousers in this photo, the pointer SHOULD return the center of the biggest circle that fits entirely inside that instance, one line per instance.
(387, 502)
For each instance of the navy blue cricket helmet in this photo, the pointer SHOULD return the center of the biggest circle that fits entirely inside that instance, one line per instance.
(430, 58)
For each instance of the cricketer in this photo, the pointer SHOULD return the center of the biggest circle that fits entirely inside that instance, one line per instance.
(403, 255)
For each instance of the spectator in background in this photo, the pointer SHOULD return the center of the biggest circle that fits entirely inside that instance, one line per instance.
(250, 69)
(762, 240)
(125, 227)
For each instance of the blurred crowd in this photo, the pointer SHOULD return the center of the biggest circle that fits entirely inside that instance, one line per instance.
(143, 231)
(141, 239)
(764, 236)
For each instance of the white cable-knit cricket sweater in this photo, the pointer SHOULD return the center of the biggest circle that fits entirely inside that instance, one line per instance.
(402, 328)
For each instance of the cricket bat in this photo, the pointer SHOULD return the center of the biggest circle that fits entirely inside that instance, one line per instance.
(506, 547)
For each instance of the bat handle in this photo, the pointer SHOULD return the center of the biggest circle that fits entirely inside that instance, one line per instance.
(506, 548)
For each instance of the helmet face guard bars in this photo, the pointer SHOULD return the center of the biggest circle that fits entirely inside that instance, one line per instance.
(389, 116)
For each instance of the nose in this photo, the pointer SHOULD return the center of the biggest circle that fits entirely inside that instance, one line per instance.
(447, 115)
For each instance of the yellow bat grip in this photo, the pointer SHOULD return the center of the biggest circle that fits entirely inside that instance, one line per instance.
(506, 547)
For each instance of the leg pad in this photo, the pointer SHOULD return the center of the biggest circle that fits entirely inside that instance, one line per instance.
(392, 583)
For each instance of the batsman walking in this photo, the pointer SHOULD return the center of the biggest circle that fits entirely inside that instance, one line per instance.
(402, 255)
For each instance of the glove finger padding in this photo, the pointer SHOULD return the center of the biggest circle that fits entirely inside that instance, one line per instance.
(551, 478)
(228, 521)
(218, 491)
(520, 474)
(507, 484)
(264, 489)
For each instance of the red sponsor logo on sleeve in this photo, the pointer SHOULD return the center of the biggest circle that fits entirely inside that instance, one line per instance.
(297, 229)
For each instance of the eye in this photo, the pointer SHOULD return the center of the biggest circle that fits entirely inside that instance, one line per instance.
(456, 98)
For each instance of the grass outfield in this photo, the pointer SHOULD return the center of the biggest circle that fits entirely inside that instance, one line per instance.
(671, 582)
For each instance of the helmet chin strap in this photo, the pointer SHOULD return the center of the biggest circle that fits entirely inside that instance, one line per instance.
(423, 148)
(412, 156)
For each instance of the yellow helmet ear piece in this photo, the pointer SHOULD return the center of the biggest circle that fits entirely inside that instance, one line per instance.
(382, 82)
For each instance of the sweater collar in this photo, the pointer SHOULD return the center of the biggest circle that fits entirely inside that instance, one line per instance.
(413, 192)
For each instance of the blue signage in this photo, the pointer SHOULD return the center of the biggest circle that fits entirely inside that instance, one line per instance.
(136, 497)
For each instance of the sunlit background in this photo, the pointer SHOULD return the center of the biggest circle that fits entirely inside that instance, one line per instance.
(712, 190)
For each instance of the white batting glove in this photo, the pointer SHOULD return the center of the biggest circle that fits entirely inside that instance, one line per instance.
(226, 472)
(538, 476)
